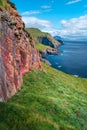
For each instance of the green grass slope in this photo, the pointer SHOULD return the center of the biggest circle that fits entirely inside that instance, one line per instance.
(35, 32)
(2, 2)
(4, 5)
(41, 47)
(49, 100)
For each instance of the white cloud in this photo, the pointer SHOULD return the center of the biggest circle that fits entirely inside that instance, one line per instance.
(75, 28)
(43, 25)
(46, 6)
(73, 2)
(31, 12)
(36, 22)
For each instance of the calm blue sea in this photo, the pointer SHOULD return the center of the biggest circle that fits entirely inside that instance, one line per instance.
(72, 59)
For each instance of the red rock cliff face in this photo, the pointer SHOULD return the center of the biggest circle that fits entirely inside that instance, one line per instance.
(18, 54)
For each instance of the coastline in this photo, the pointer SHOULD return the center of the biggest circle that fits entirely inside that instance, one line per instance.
(71, 59)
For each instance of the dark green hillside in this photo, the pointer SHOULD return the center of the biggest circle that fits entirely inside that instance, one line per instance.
(35, 32)
(49, 100)
(43, 40)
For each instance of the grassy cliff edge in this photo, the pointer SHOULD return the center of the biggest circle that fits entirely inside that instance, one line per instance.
(49, 100)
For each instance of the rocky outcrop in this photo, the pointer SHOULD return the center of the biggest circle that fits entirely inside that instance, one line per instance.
(43, 37)
(43, 53)
(51, 51)
(48, 40)
(59, 39)
(46, 62)
(18, 54)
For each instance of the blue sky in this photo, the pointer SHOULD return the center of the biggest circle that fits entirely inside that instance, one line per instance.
(66, 18)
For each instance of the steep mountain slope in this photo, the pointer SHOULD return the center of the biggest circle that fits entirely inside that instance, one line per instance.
(18, 54)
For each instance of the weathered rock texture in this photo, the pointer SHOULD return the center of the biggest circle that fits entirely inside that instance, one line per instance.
(18, 54)
(48, 40)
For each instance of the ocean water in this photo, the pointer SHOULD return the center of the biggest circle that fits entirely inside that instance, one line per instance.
(72, 58)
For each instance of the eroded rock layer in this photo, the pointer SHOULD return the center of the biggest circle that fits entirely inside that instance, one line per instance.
(18, 54)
